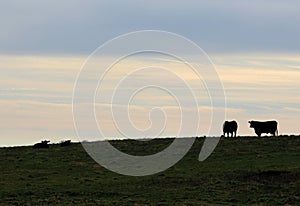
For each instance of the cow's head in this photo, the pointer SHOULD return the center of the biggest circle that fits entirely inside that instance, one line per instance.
(251, 123)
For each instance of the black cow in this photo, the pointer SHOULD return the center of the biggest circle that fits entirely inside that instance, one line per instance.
(230, 127)
(42, 144)
(264, 127)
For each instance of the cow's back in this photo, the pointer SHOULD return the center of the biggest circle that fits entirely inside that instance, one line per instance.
(229, 126)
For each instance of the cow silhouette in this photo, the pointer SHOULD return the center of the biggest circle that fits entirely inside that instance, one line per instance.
(42, 144)
(230, 127)
(264, 127)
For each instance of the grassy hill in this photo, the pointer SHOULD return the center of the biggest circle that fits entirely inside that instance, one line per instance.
(241, 171)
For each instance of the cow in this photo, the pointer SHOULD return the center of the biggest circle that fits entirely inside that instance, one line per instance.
(264, 127)
(42, 144)
(230, 127)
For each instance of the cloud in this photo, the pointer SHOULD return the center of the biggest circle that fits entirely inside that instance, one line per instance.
(37, 96)
(26, 122)
(291, 109)
(77, 27)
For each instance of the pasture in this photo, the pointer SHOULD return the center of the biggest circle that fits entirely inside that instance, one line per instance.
(241, 171)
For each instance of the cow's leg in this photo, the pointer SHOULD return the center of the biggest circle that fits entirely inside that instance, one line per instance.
(234, 133)
(275, 133)
(257, 132)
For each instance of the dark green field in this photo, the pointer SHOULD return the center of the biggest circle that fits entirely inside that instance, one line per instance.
(241, 171)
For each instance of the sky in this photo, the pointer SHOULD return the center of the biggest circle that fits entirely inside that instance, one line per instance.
(43, 45)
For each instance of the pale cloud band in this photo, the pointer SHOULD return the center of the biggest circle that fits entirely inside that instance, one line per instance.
(33, 108)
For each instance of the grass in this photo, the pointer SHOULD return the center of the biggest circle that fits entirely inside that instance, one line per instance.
(241, 171)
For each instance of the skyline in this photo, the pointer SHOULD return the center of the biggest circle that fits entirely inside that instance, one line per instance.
(43, 45)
